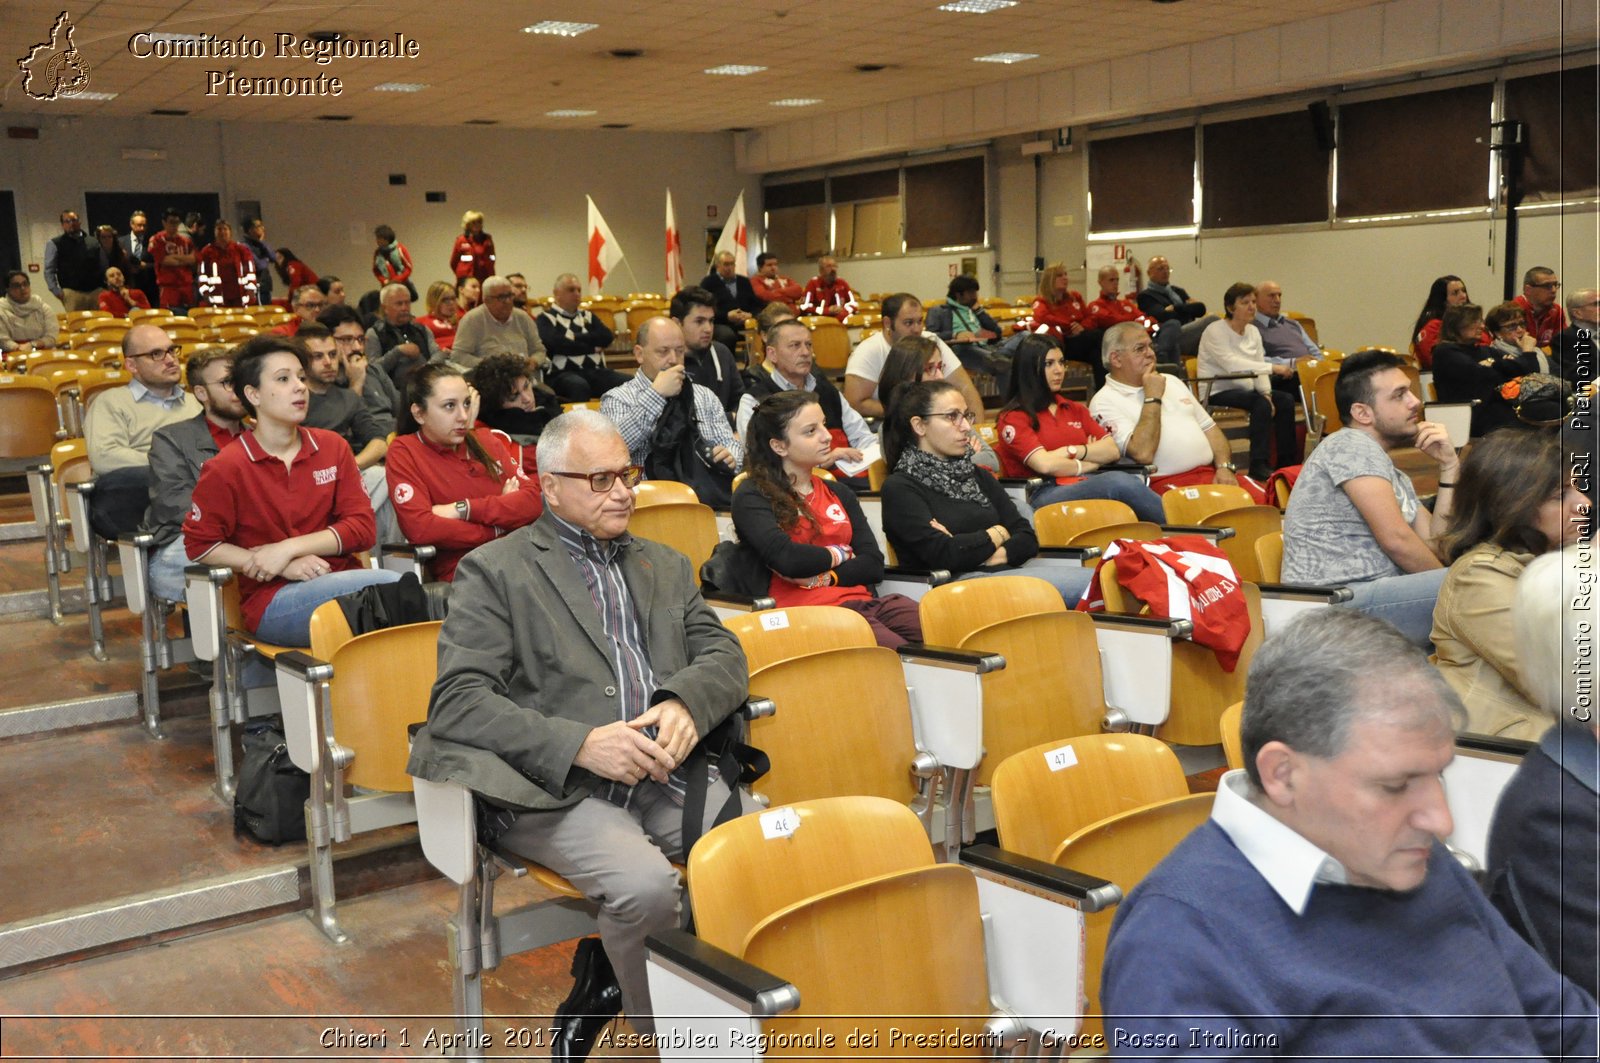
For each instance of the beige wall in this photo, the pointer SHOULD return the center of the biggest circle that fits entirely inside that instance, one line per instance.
(323, 187)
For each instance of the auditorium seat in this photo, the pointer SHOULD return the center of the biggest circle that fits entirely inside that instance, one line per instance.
(1232, 746)
(1123, 849)
(157, 649)
(818, 914)
(657, 492)
(1192, 505)
(1249, 524)
(1269, 556)
(1048, 792)
(345, 721)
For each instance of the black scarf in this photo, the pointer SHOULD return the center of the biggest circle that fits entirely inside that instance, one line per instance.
(952, 477)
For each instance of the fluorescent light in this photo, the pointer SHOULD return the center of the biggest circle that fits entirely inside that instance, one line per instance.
(735, 70)
(90, 96)
(1006, 57)
(561, 29)
(977, 7)
(399, 86)
(795, 101)
(569, 113)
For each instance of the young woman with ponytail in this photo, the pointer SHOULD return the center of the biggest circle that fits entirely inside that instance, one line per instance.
(454, 487)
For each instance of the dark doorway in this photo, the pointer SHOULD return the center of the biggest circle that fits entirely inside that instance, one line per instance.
(114, 208)
(10, 246)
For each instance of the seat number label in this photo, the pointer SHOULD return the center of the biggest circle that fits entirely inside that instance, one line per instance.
(779, 823)
(1060, 758)
(774, 620)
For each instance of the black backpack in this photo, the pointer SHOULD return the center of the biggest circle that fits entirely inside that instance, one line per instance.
(270, 802)
(679, 452)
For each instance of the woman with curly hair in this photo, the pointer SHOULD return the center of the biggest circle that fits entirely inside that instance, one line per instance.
(510, 401)
(811, 532)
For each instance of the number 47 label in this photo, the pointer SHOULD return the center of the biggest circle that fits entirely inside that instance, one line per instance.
(1060, 758)
(780, 822)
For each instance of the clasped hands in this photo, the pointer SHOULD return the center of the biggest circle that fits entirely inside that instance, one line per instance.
(622, 752)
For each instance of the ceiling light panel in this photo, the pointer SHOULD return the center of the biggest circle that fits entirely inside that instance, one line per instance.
(561, 29)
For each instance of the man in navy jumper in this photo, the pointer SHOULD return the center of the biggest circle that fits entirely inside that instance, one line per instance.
(1317, 914)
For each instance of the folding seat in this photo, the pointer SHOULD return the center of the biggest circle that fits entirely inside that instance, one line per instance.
(158, 650)
(1122, 850)
(656, 492)
(1192, 505)
(830, 341)
(1232, 746)
(346, 721)
(1249, 524)
(814, 917)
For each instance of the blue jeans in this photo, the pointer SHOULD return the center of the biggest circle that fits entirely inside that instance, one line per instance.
(166, 571)
(1406, 601)
(287, 621)
(1117, 486)
(1069, 580)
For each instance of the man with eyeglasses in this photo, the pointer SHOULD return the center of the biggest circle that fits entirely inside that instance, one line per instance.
(350, 341)
(1572, 353)
(674, 427)
(308, 303)
(497, 328)
(1540, 309)
(122, 422)
(71, 268)
(579, 670)
(1154, 418)
(176, 454)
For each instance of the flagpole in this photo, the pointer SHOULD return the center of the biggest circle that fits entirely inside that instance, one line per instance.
(629, 267)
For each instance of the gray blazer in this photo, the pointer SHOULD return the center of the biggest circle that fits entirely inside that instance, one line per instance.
(525, 672)
(176, 453)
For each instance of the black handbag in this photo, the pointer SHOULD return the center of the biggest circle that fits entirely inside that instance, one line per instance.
(270, 802)
(736, 569)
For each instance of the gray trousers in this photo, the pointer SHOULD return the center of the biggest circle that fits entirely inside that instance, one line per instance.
(621, 858)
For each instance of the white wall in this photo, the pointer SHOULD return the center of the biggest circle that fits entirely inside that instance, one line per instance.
(323, 187)
(1365, 285)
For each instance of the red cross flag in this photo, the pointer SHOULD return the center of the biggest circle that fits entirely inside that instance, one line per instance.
(674, 249)
(604, 254)
(735, 238)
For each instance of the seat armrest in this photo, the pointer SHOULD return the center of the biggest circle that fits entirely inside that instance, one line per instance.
(1165, 626)
(727, 602)
(1125, 465)
(134, 552)
(300, 677)
(203, 595)
(1026, 483)
(1306, 592)
(975, 661)
(403, 557)
(933, 577)
(79, 496)
(1227, 376)
(757, 708)
(1205, 531)
(446, 828)
(420, 551)
(1078, 554)
(1088, 893)
(1136, 666)
(761, 992)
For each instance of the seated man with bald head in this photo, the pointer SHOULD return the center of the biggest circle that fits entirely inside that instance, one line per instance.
(674, 428)
(579, 670)
(576, 341)
(1318, 913)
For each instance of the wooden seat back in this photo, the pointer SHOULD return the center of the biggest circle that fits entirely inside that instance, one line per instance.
(952, 611)
(1269, 556)
(688, 527)
(1057, 523)
(774, 635)
(1249, 524)
(1192, 505)
(658, 492)
(28, 418)
(1232, 745)
(381, 685)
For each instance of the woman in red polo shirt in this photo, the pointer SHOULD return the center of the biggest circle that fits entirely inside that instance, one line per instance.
(284, 508)
(442, 316)
(1044, 433)
(454, 487)
(809, 531)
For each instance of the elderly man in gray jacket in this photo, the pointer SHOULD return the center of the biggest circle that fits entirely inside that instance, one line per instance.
(578, 670)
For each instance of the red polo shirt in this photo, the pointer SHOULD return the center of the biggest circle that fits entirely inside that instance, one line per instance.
(176, 283)
(1056, 318)
(1544, 328)
(832, 529)
(1111, 310)
(1068, 423)
(222, 436)
(423, 474)
(249, 498)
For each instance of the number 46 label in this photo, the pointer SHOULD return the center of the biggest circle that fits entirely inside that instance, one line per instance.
(1060, 758)
(780, 822)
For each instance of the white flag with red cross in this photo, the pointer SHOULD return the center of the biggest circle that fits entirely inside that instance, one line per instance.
(604, 253)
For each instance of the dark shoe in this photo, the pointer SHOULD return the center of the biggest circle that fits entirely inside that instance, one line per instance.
(594, 1001)
(1261, 473)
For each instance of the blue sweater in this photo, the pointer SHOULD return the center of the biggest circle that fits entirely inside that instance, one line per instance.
(1206, 960)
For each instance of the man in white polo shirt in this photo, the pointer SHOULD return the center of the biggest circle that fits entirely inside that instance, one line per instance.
(902, 316)
(1154, 418)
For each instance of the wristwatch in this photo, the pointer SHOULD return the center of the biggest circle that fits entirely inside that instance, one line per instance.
(462, 509)
(1230, 466)
(1149, 401)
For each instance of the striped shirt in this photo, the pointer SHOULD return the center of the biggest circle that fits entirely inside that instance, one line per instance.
(597, 561)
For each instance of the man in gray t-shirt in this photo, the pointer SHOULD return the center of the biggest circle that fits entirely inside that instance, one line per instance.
(1354, 519)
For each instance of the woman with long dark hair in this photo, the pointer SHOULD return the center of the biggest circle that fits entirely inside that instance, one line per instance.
(1515, 500)
(294, 273)
(916, 358)
(1447, 291)
(811, 533)
(453, 486)
(942, 512)
(1043, 433)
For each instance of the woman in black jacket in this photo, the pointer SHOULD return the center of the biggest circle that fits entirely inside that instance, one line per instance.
(1463, 370)
(809, 531)
(942, 512)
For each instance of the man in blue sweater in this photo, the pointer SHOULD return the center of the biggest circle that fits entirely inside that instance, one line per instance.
(1317, 914)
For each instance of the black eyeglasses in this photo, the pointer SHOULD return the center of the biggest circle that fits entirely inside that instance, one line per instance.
(1554, 286)
(601, 482)
(160, 354)
(956, 417)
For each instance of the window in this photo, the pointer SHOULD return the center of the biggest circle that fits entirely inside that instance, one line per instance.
(1408, 154)
(866, 213)
(1144, 181)
(1263, 171)
(797, 219)
(945, 204)
(1559, 147)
